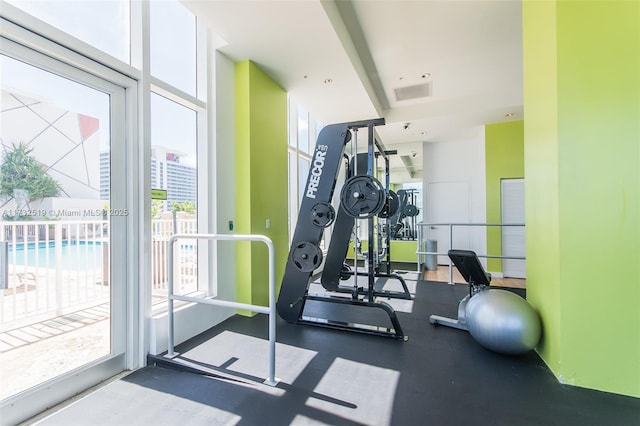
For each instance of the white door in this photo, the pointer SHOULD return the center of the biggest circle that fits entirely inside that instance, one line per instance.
(448, 202)
(513, 237)
(72, 125)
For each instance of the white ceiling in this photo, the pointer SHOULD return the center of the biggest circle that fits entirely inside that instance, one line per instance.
(469, 52)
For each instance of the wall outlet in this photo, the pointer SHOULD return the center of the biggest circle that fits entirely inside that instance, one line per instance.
(267, 224)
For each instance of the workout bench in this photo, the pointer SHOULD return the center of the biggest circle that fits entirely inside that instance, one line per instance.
(473, 273)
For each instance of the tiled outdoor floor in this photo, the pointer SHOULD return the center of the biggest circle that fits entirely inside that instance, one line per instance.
(46, 329)
(33, 354)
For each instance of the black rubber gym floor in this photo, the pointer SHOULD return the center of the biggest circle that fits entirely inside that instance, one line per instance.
(440, 376)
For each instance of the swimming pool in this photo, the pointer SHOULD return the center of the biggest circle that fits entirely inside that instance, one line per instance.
(73, 255)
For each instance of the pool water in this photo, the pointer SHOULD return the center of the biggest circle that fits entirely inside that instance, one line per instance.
(73, 255)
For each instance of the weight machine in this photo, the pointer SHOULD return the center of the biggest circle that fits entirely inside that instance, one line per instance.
(399, 228)
(334, 271)
(362, 197)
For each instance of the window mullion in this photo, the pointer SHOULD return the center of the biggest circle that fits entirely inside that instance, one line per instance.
(176, 95)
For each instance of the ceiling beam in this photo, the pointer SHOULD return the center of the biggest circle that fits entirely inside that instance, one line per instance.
(408, 164)
(345, 22)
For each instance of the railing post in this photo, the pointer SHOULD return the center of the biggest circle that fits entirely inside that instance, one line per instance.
(271, 381)
(4, 264)
(419, 246)
(450, 247)
(57, 244)
(170, 340)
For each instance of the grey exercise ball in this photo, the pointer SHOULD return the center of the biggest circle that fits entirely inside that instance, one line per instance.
(503, 322)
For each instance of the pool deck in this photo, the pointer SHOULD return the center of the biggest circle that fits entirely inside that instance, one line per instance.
(35, 353)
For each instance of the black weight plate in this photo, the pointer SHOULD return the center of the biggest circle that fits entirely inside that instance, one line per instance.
(411, 210)
(345, 272)
(322, 215)
(306, 256)
(362, 196)
(391, 206)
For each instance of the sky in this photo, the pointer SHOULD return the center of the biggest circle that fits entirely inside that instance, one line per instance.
(104, 24)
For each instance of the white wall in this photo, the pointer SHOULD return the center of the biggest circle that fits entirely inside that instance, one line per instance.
(461, 158)
(225, 181)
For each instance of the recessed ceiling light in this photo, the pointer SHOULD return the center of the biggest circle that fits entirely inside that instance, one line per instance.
(328, 81)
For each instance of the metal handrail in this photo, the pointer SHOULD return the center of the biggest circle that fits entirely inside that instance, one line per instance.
(419, 253)
(270, 310)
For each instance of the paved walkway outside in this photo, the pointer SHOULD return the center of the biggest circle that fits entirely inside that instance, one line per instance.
(33, 354)
(54, 327)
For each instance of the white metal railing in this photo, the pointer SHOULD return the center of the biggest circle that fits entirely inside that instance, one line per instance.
(270, 310)
(162, 230)
(50, 268)
(421, 240)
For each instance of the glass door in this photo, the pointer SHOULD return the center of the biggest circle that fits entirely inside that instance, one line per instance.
(63, 236)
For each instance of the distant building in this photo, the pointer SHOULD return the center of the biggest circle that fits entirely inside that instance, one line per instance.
(104, 175)
(167, 172)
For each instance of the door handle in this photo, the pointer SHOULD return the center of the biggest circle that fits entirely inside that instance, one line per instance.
(433, 227)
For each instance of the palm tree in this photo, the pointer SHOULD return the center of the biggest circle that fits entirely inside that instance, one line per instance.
(21, 171)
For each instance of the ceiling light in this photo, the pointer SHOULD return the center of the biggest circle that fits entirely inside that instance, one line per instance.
(328, 81)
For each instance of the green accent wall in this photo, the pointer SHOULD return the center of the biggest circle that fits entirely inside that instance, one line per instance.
(504, 159)
(401, 251)
(261, 179)
(582, 184)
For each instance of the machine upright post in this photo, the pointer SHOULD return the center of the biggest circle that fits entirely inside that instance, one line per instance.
(356, 227)
(388, 219)
(371, 246)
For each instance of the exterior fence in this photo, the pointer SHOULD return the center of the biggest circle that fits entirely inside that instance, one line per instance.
(53, 268)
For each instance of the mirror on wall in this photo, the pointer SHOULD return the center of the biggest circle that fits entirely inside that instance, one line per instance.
(402, 225)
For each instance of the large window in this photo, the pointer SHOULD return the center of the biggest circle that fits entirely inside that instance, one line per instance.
(303, 133)
(102, 24)
(157, 119)
(176, 142)
(173, 45)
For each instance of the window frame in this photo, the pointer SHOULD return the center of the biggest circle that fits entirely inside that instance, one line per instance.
(36, 50)
(293, 151)
(42, 37)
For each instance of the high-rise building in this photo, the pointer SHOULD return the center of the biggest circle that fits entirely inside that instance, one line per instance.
(104, 175)
(167, 172)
